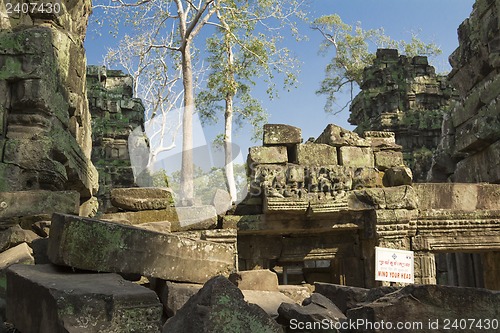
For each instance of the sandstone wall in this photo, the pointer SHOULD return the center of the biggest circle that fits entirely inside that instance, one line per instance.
(470, 148)
(45, 129)
(405, 96)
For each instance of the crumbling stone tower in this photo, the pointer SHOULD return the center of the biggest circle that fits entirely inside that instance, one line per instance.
(115, 114)
(45, 132)
(405, 96)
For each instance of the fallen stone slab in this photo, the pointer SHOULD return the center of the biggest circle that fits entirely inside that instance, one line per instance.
(297, 293)
(429, 305)
(174, 295)
(220, 307)
(344, 297)
(258, 279)
(101, 246)
(347, 297)
(315, 310)
(269, 301)
(14, 205)
(180, 218)
(47, 299)
(141, 198)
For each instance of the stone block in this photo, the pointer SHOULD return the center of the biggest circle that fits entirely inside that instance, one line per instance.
(366, 178)
(387, 159)
(344, 297)
(44, 298)
(356, 157)
(267, 155)
(20, 254)
(297, 293)
(399, 197)
(25, 203)
(315, 310)
(397, 176)
(450, 196)
(316, 154)
(428, 304)
(174, 295)
(258, 279)
(224, 308)
(269, 301)
(278, 134)
(222, 201)
(14, 236)
(180, 218)
(141, 198)
(110, 247)
(336, 136)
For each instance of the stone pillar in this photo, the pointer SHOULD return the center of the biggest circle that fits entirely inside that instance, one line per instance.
(425, 268)
(45, 128)
(491, 264)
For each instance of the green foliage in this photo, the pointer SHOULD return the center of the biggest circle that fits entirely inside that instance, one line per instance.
(243, 51)
(354, 50)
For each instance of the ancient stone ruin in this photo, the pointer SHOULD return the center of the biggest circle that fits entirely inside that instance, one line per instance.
(115, 114)
(298, 251)
(405, 96)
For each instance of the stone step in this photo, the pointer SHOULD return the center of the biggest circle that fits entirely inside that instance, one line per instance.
(48, 299)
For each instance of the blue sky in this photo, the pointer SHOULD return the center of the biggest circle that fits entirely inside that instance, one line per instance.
(434, 21)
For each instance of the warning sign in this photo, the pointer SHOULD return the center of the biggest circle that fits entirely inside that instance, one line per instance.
(394, 265)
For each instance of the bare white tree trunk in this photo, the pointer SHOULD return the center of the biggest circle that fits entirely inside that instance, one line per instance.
(187, 186)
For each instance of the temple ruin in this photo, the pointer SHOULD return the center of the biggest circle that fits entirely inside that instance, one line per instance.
(405, 96)
(301, 244)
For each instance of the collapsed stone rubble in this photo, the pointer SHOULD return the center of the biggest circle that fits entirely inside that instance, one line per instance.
(299, 249)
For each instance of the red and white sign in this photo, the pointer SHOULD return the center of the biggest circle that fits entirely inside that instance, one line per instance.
(394, 265)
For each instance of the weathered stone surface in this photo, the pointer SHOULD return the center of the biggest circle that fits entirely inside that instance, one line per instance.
(25, 203)
(336, 136)
(405, 96)
(428, 303)
(115, 114)
(163, 227)
(181, 218)
(223, 308)
(315, 309)
(397, 176)
(14, 236)
(399, 197)
(46, 134)
(316, 155)
(109, 247)
(222, 201)
(387, 159)
(356, 157)
(297, 293)
(174, 295)
(141, 198)
(469, 197)
(279, 134)
(344, 297)
(268, 301)
(258, 279)
(267, 155)
(20, 254)
(78, 302)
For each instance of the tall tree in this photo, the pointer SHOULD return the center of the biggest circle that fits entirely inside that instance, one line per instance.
(246, 48)
(171, 26)
(354, 50)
